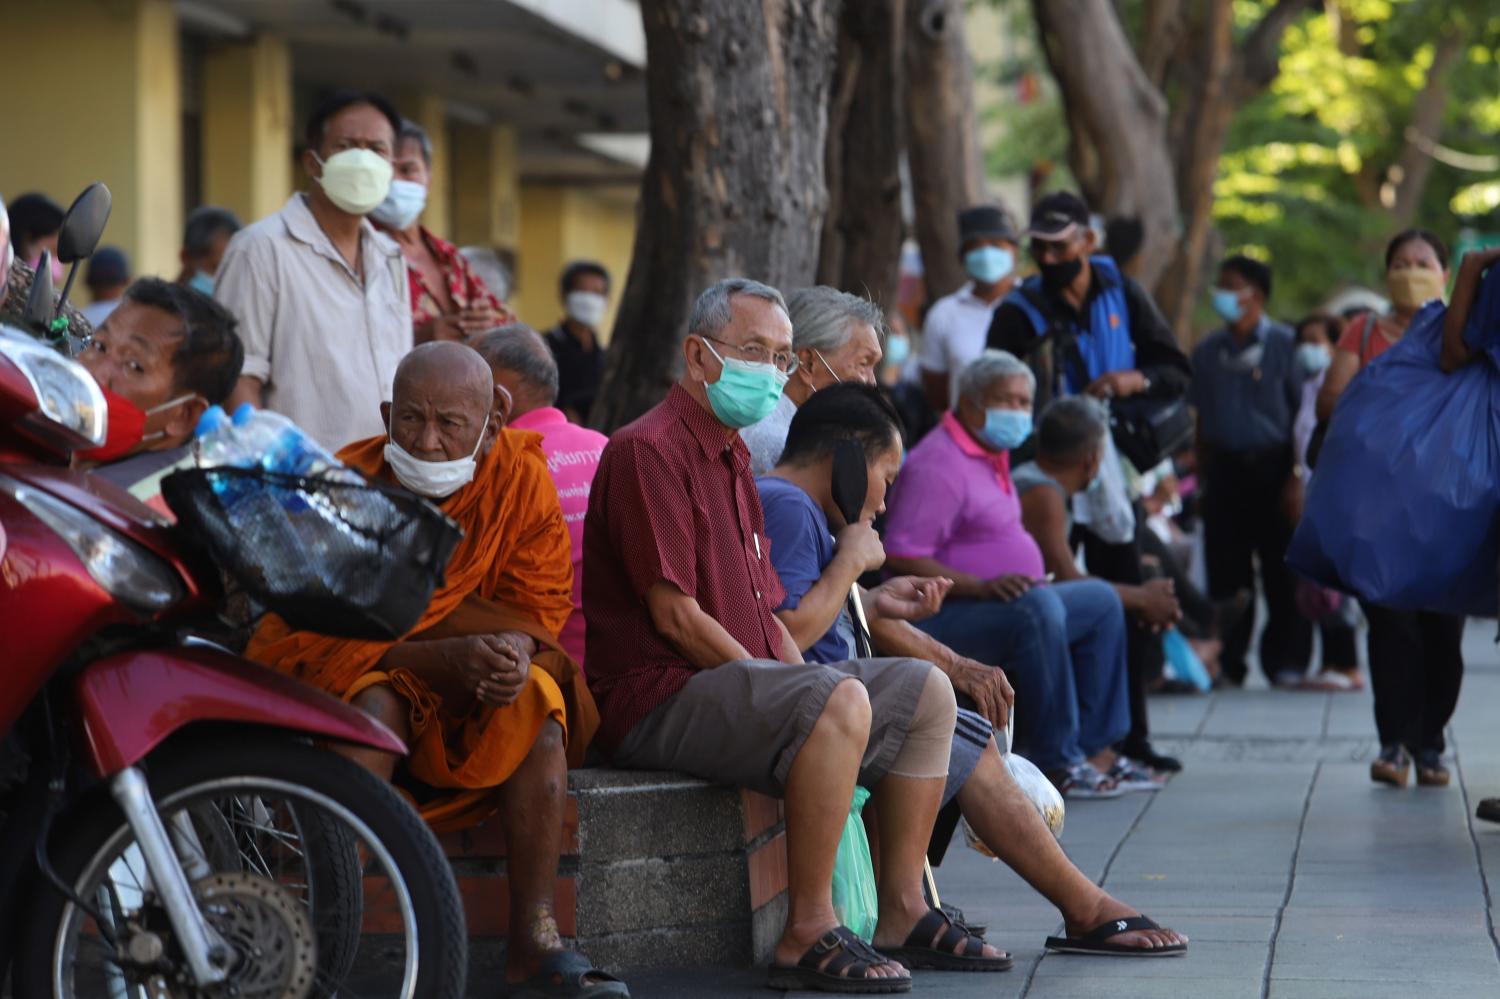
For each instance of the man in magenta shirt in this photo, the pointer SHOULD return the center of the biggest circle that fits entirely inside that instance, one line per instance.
(955, 512)
(524, 367)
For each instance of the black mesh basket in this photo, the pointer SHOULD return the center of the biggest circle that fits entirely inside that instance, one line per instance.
(338, 558)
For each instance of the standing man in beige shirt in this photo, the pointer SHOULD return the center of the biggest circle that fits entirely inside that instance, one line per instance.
(320, 295)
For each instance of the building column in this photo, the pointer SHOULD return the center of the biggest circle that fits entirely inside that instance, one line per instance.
(486, 183)
(431, 112)
(247, 127)
(118, 121)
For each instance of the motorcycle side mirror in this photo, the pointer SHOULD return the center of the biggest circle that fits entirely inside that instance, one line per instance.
(82, 229)
(38, 311)
(84, 224)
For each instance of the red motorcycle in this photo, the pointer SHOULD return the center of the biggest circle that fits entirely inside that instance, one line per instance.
(173, 823)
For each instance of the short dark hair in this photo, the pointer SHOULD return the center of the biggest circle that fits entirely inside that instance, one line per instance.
(337, 101)
(519, 348)
(1258, 274)
(1399, 240)
(33, 216)
(846, 411)
(1071, 429)
(578, 269)
(209, 359)
(203, 224)
(1334, 324)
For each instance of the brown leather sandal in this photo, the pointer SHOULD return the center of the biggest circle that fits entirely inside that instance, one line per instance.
(845, 972)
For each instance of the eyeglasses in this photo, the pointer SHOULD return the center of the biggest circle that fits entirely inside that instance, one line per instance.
(785, 361)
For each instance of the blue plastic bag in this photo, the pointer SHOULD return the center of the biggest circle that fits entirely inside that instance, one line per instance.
(855, 903)
(1183, 662)
(1402, 507)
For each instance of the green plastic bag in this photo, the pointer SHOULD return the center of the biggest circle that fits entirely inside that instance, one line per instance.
(855, 903)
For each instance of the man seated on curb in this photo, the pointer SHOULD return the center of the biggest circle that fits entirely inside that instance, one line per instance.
(1070, 448)
(817, 571)
(163, 356)
(492, 709)
(686, 657)
(523, 365)
(955, 513)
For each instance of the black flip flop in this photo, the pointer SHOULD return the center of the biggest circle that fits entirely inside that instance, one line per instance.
(843, 972)
(920, 950)
(1489, 810)
(562, 975)
(1096, 941)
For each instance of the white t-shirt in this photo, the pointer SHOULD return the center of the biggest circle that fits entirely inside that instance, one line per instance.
(955, 332)
(767, 438)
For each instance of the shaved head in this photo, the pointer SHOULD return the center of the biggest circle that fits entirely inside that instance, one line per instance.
(441, 402)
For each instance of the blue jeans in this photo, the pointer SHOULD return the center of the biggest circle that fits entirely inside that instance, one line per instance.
(1064, 647)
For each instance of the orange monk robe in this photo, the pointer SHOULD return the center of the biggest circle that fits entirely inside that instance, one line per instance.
(511, 571)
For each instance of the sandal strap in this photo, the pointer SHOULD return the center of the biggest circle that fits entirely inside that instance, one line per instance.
(849, 952)
(1115, 927)
(940, 932)
(572, 967)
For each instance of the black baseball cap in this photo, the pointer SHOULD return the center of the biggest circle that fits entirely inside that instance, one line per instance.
(1057, 216)
(985, 222)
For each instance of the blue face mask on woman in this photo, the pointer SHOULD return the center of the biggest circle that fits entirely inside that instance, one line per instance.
(1006, 429)
(989, 264)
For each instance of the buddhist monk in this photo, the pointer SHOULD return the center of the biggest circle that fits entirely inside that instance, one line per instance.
(491, 707)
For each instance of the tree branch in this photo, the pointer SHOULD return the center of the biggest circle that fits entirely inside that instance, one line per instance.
(1261, 52)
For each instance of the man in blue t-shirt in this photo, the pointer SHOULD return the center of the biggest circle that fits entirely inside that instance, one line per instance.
(818, 571)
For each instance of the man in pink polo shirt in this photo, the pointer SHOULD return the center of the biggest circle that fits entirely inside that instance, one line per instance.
(954, 512)
(524, 367)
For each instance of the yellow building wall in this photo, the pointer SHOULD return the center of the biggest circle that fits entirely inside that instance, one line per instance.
(107, 75)
(430, 111)
(560, 224)
(485, 178)
(248, 135)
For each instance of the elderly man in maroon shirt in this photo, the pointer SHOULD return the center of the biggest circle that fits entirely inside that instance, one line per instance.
(693, 671)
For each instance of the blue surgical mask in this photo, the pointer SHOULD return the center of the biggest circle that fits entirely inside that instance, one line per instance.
(746, 392)
(1006, 429)
(402, 204)
(1314, 358)
(203, 282)
(1227, 304)
(989, 264)
(897, 350)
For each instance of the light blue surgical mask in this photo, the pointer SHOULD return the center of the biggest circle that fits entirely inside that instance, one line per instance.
(989, 264)
(1227, 305)
(897, 350)
(202, 281)
(1006, 429)
(746, 392)
(402, 204)
(1314, 358)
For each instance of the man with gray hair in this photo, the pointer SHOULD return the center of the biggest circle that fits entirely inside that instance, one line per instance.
(524, 369)
(448, 300)
(837, 338)
(686, 652)
(954, 512)
(1070, 450)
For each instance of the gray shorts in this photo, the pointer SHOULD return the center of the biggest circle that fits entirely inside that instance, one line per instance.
(743, 723)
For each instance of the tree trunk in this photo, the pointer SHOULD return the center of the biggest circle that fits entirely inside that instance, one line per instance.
(860, 250)
(738, 100)
(942, 148)
(1414, 166)
(1119, 149)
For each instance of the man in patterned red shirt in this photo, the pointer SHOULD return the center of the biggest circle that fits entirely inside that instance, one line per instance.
(448, 300)
(693, 671)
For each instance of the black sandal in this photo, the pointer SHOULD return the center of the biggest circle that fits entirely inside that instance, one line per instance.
(1096, 941)
(562, 975)
(933, 945)
(844, 972)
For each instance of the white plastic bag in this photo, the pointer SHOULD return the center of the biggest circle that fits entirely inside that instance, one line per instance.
(1045, 797)
(1105, 507)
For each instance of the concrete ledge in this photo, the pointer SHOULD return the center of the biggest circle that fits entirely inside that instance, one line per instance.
(659, 870)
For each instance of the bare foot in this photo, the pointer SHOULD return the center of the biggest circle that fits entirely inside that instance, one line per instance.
(1109, 908)
(797, 939)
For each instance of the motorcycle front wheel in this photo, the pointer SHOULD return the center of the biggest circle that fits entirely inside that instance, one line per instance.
(321, 879)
